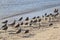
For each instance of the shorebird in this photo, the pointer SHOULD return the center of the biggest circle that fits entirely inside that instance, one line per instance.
(50, 24)
(19, 31)
(39, 20)
(56, 14)
(35, 21)
(56, 10)
(31, 21)
(46, 18)
(34, 18)
(26, 31)
(38, 16)
(20, 19)
(45, 14)
(52, 15)
(13, 23)
(16, 26)
(30, 24)
(5, 21)
(27, 19)
(26, 23)
(4, 27)
(21, 23)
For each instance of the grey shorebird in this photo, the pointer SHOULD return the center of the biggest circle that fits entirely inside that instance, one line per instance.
(56, 10)
(19, 31)
(27, 18)
(13, 23)
(5, 27)
(17, 25)
(34, 18)
(5, 21)
(26, 31)
(20, 19)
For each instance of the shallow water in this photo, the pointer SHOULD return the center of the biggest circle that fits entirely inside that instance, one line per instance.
(11, 8)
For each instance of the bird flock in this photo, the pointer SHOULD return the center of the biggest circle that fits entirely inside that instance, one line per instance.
(36, 22)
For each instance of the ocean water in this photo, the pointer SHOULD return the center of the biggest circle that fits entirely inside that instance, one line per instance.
(11, 8)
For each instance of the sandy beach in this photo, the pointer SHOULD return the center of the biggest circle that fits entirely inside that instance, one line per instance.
(35, 33)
